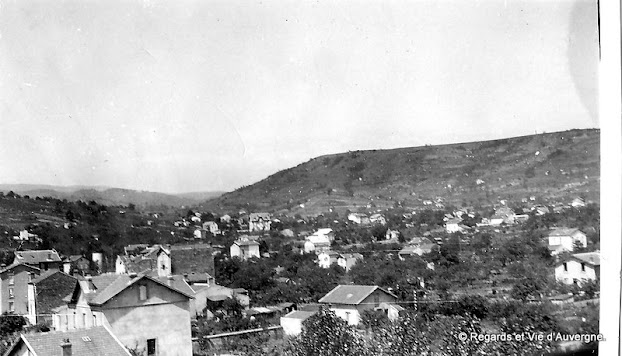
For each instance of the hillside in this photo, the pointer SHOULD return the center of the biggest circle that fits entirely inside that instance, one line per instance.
(109, 196)
(557, 166)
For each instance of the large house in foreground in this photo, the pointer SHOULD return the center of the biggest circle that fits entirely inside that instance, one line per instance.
(349, 301)
(146, 313)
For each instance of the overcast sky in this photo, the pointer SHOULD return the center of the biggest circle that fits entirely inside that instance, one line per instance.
(178, 96)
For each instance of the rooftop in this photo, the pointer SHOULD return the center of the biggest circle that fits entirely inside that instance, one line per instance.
(592, 258)
(37, 256)
(351, 294)
(96, 341)
(563, 232)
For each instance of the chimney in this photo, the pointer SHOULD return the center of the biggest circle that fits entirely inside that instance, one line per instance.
(169, 281)
(65, 345)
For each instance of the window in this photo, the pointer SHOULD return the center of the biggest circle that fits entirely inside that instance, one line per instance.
(582, 267)
(565, 267)
(376, 299)
(95, 320)
(151, 347)
(83, 319)
(11, 279)
(11, 307)
(11, 295)
(142, 292)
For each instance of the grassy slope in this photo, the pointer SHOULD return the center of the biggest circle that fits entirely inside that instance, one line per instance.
(510, 168)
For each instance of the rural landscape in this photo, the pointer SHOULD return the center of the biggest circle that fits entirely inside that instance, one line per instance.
(488, 247)
(309, 178)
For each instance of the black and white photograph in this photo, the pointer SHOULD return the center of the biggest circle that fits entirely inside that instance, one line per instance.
(309, 178)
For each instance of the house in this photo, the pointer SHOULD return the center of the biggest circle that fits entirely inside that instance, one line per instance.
(244, 249)
(76, 264)
(42, 259)
(210, 299)
(359, 218)
(225, 219)
(96, 341)
(14, 281)
(564, 239)
(142, 258)
(325, 232)
(46, 293)
(195, 262)
(25, 235)
(292, 322)
(325, 259)
(349, 301)
(578, 267)
(417, 246)
(348, 260)
(540, 210)
(144, 312)
(212, 227)
(317, 243)
(259, 222)
(453, 225)
(392, 234)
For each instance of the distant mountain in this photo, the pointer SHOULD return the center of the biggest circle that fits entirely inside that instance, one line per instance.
(556, 166)
(109, 196)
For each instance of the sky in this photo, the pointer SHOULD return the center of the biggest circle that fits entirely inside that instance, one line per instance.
(194, 95)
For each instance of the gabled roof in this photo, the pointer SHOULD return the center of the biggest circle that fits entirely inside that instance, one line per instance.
(53, 289)
(15, 264)
(351, 294)
(563, 232)
(96, 341)
(100, 289)
(37, 256)
(592, 258)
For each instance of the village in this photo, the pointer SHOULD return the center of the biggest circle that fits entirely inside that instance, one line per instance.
(246, 282)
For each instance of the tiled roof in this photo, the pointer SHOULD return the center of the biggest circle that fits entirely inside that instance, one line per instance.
(53, 288)
(138, 264)
(15, 264)
(178, 283)
(350, 294)
(592, 258)
(197, 258)
(563, 232)
(123, 281)
(96, 341)
(197, 277)
(37, 256)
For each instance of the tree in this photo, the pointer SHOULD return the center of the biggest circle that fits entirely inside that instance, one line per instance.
(326, 334)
